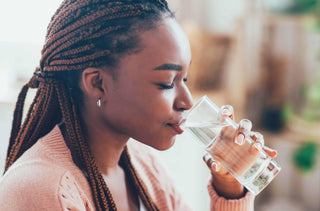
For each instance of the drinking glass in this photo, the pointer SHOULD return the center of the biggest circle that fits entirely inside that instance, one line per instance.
(254, 169)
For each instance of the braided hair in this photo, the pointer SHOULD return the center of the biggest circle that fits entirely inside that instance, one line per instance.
(82, 34)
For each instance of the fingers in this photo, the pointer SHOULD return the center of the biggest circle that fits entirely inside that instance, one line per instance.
(271, 152)
(211, 163)
(244, 130)
(227, 111)
(258, 145)
(258, 141)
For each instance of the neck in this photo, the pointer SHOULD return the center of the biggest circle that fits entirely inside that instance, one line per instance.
(106, 146)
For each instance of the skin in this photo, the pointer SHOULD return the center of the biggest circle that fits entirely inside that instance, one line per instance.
(146, 99)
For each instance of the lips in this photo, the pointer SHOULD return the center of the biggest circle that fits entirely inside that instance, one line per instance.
(176, 127)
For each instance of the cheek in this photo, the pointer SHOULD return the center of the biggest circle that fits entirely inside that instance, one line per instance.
(159, 106)
(140, 111)
(149, 117)
(138, 106)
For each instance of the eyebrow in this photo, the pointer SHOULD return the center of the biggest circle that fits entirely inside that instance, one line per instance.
(169, 66)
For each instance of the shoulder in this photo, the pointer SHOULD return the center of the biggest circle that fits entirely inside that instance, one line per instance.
(38, 185)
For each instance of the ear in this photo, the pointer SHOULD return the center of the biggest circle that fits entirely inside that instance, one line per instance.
(92, 83)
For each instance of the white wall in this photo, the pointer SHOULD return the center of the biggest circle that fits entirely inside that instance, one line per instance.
(216, 15)
(25, 21)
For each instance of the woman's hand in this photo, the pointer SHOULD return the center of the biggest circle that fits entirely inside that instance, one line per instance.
(223, 182)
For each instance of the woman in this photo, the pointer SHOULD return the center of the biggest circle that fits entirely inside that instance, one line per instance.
(109, 71)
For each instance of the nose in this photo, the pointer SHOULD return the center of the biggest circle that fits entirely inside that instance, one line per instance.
(183, 99)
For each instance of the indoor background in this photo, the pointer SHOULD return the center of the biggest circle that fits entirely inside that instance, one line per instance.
(261, 56)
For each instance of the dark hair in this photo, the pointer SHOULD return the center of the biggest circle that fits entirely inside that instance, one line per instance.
(82, 34)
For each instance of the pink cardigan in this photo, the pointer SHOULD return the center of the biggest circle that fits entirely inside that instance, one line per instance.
(45, 178)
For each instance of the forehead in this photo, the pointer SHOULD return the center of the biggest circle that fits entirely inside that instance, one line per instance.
(167, 40)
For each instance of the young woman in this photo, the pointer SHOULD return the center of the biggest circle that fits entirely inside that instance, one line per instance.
(111, 70)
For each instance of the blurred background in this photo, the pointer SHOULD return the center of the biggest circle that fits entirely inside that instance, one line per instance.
(260, 56)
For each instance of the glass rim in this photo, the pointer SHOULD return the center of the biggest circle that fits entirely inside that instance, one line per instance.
(200, 101)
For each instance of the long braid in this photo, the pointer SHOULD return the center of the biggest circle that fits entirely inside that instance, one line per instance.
(17, 117)
(92, 167)
(41, 118)
(81, 34)
(18, 112)
(75, 145)
(138, 183)
(81, 147)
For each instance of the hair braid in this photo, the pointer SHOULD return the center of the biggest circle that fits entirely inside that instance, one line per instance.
(47, 116)
(126, 162)
(91, 167)
(80, 149)
(81, 34)
(41, 117)
(77, 148)
(17, 117)
(66, 14)
(75, 30)
(80, 60)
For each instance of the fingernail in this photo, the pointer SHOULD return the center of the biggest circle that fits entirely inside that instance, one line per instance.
(257, 146)
(226, 112)
(206, 157)
(215, 166)
(246, 124)
(240, 139)
(274, 153)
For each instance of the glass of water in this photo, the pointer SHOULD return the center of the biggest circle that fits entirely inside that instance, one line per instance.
(253, 169)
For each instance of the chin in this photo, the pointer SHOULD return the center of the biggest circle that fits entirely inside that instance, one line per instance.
(165, 146)
(160, 144)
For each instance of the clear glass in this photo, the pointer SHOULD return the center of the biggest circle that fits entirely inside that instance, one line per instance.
(253, 169)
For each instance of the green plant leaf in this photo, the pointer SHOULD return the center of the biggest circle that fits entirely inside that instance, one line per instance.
(304, 157)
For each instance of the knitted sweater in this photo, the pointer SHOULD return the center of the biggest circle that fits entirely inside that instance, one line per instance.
(46, 178)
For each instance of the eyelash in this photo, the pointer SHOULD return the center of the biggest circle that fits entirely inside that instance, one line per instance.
(164, 86)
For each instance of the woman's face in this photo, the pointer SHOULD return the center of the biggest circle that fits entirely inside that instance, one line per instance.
(149, 96)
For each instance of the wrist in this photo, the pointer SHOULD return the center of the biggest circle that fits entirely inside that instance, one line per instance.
(227, 187)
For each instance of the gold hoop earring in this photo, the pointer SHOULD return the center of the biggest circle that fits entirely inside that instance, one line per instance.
(99, 103)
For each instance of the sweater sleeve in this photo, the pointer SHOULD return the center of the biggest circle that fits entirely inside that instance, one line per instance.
(219, 203)
(39, 187)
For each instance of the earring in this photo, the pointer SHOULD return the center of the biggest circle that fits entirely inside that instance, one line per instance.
(99, 103)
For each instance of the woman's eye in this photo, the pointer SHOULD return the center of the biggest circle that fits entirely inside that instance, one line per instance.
(165, 86)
